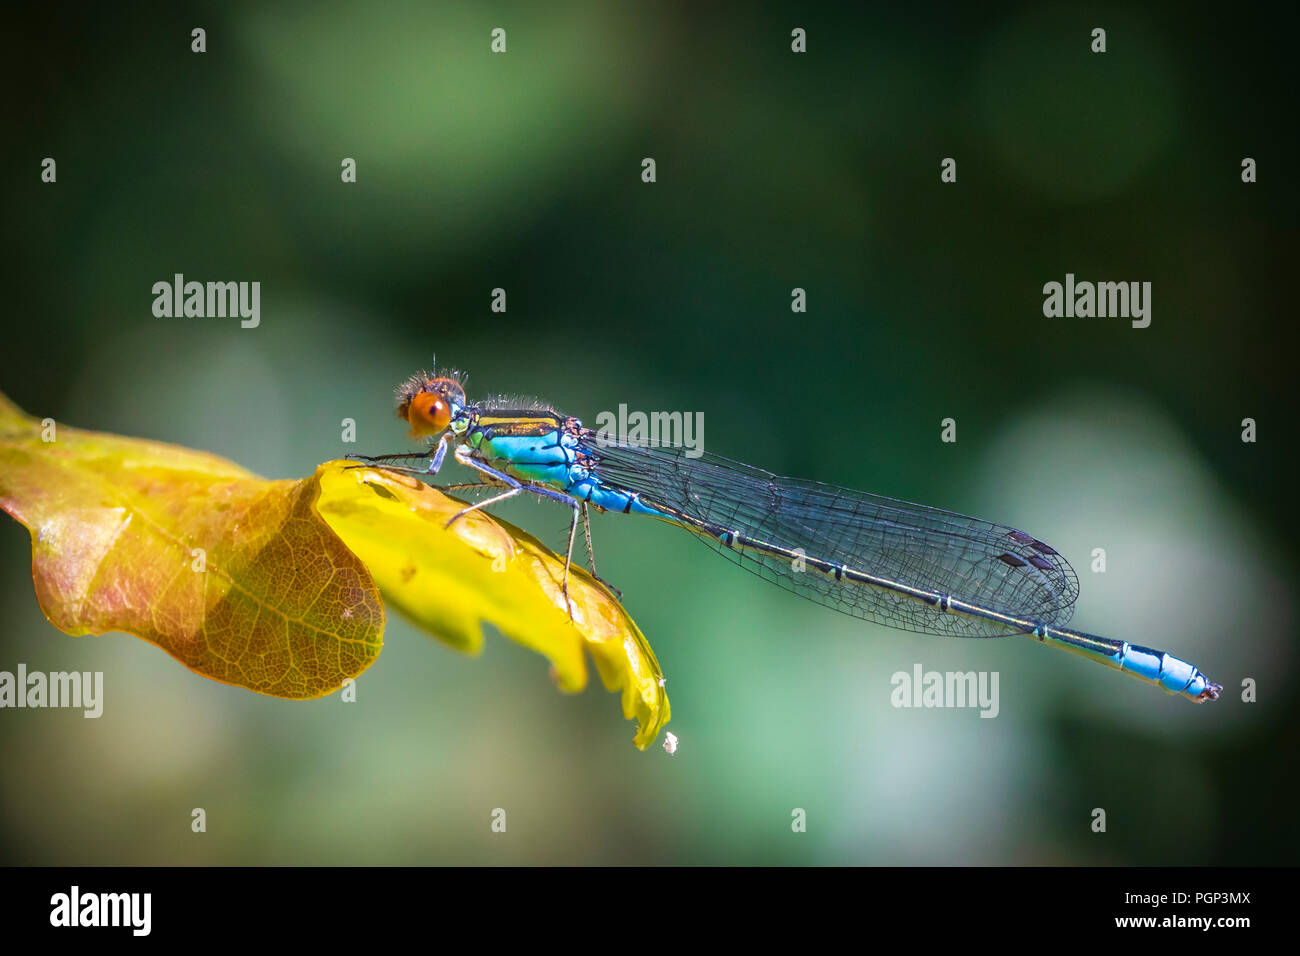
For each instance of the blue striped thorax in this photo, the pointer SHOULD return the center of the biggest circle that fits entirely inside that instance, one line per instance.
(547, 448)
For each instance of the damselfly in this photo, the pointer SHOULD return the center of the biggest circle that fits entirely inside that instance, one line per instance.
(880, 559)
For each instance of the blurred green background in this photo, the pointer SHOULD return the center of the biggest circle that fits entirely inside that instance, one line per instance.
(775, 170)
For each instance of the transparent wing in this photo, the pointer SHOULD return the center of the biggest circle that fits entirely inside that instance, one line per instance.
(988, 564)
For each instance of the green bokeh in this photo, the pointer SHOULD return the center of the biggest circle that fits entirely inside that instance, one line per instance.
(775, 170)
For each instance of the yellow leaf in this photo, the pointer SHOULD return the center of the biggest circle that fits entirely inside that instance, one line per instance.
(276, 585)
(451, 580)
(236, 577)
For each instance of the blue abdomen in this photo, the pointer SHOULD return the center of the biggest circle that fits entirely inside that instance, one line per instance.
(589, 488)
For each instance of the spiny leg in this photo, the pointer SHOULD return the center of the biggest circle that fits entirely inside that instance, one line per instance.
(381, 461)
(568, 559)
(399, 469)
(497, 479)
(586, 530)
(395, 456)
(591, 554)
(466, 457)
(508, 493)
(435, 460)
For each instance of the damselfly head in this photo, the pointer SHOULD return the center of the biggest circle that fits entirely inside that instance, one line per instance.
(428, 402)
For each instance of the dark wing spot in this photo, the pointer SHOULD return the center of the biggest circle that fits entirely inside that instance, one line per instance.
(1012, 560)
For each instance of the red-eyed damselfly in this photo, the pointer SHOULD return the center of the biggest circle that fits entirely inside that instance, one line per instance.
(880, 559)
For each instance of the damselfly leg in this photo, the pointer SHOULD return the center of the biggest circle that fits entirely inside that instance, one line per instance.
(591, 554)
(496, 479)
(384, 461)
(432, 468)
(514, 487)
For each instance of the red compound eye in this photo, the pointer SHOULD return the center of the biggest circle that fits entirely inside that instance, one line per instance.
(429, 414)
